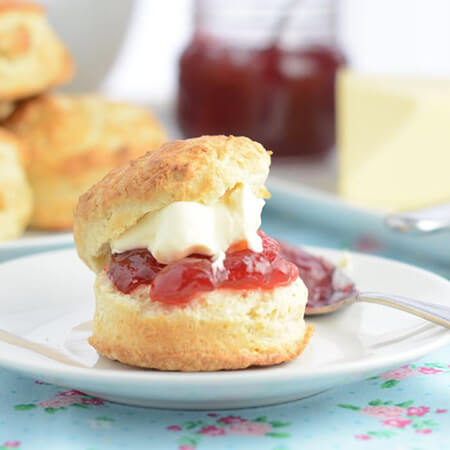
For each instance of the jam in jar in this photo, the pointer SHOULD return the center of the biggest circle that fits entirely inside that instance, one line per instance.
(237, 77)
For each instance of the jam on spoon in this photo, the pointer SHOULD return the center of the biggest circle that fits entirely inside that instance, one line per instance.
(331, 289)
(325, 283)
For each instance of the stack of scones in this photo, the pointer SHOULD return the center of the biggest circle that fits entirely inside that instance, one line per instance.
(53, 147)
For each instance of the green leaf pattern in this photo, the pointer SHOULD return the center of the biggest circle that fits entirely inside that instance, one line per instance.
(389, 384)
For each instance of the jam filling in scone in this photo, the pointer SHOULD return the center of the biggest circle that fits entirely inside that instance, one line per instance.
(181, 281)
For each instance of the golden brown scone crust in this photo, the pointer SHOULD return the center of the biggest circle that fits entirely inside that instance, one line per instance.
(201, 169)
(15, 193)
(32, 57)
(73, 141)
(260, 328)
(6, 109)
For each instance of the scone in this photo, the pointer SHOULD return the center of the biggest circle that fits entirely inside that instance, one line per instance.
(6, 109)
(73, 141)
(185, 279)
(15, 193)
(32, 57)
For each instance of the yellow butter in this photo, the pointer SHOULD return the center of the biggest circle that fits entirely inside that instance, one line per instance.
(393, 141)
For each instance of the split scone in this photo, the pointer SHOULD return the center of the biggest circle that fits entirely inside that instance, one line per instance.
(185, 280)
(32, 57)
(15, 193)
(72, 142)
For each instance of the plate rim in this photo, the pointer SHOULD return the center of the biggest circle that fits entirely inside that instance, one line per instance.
(34, 242)
(281, 372)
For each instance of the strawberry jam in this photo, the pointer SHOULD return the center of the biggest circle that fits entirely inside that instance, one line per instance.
(179, 282)
(326, 284)
(316, 273)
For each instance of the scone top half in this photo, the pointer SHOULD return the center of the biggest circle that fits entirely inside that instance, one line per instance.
(201, 170)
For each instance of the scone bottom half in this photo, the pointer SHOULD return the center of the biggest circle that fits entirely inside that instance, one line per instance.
(186, 281)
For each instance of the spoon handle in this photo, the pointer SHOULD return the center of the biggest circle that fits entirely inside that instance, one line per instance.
(438, 314)
(42, 349)
(427, 220)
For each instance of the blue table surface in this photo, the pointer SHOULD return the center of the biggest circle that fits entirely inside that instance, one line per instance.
(406, 408)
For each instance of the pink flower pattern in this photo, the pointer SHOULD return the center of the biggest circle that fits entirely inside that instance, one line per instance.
(398, 423)
(58, 402)
(71, 393)
(250, 428)
(398, 374)
(362, 437)
(400, 416)
(383, 412)
(429, 370)
(227, 425)
(229, 420)
(92, 401)
(424, 431)
(11, 444)
(212, 431)
(420, 411)
(366, 243)
(62, 400)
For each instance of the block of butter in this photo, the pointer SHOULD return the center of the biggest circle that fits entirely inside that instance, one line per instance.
(393, 141)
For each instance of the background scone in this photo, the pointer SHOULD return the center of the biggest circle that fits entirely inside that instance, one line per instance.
(72, 142)
(32, 57)
(231, 324)
(15, 193)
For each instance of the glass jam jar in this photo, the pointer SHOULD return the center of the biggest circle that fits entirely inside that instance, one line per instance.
(263, 69)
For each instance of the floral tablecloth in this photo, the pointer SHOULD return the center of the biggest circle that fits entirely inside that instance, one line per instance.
(406, 408)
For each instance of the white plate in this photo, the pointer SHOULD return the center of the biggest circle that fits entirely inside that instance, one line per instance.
(47, 295)
(33, 239)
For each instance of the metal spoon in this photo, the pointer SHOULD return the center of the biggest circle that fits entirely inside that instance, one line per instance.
(52, 352)
(429, 311)
(422, 221)
(50, 348)
(344, 292)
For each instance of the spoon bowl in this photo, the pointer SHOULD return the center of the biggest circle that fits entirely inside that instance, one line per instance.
(331, 289)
